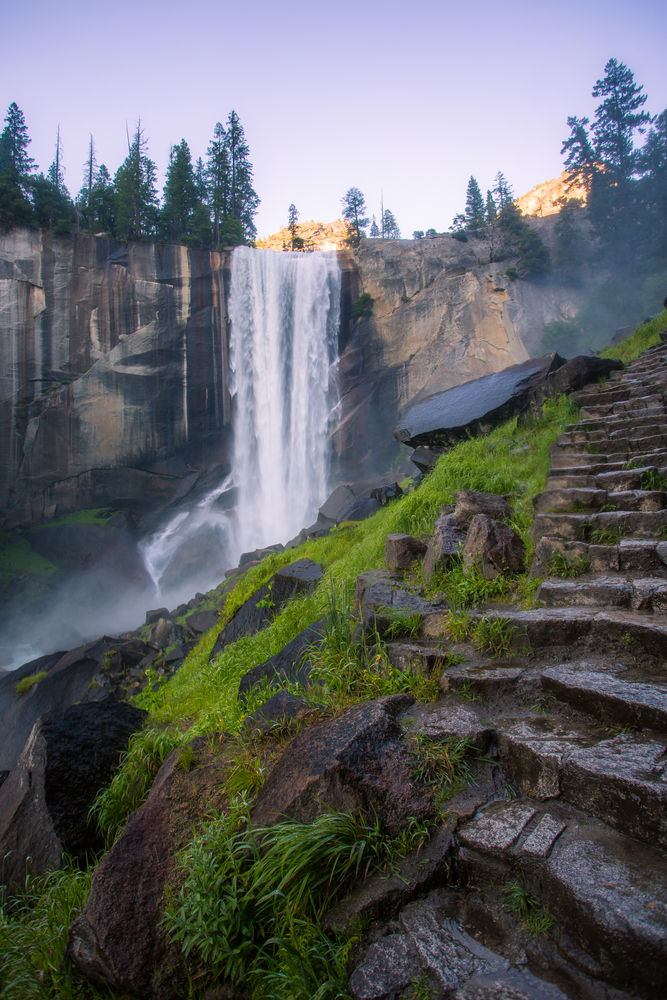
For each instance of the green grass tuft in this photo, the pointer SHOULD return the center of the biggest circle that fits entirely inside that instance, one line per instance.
(26, 683)
(644, 336)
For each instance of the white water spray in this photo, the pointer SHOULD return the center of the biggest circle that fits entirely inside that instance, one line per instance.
(284, 310)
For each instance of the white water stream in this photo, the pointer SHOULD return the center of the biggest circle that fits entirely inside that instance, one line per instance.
(284, 311)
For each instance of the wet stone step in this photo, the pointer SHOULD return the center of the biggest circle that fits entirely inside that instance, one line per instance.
(614, 422)
(631, 556)
(623, 782)
(610, 892)
(606, 592)
(599, 627)
(574, 499)
(534, 750)
(594, 527)
(607, 696)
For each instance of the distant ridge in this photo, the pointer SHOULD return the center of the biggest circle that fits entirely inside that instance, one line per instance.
(316, 236)
(543, 198)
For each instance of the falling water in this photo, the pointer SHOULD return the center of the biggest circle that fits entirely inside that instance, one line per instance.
(284, 313)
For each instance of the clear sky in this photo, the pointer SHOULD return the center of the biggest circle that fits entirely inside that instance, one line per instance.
(410, 98)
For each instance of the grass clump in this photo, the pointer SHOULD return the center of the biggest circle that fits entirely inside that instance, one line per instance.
(568, 568)
(26, 683)
(249, 899)
(33, 937)
(642, 338)
(444, 766)
(493, 635)
(132, 783)
(535, 918)
(402, 623)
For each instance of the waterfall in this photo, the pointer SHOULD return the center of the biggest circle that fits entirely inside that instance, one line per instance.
(284, 312)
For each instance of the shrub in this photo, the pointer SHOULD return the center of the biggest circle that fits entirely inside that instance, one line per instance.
(363, 306)
(26, 683)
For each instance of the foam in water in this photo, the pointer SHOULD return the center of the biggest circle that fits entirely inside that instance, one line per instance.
(284, 310)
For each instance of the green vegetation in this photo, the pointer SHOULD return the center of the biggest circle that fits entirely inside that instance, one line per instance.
(287, 955)
(362, 306)
(444, 766)
(566, 568)
(249, 899)
(26, 683)
(17, 559)
(645, 336)
(534, 917)
(141, 762)
(33, 937)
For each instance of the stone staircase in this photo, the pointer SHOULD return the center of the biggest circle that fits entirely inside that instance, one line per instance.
(581, 710)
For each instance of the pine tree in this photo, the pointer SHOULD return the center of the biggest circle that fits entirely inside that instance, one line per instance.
(491, 209)
(296, 242)
(390, 226)
(218, 179)
(102, 202)
(475, 215)
(354, 206)
(374, 231)
(502, 191)
(84, 216)
(15, 168)
(136, 194)
(617, 118)
(243, 200)
(180, 197)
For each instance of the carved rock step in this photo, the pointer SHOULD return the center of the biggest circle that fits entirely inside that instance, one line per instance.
(628, 427)
(621, 780)
(564, 499)
(600, 464)
(610, 449)
(545, 627)
(632, 557)
(581, 527)
(610, 892)
(616, 481)
(615, 592)
(615, 422)
(598, 409)
(606, 695)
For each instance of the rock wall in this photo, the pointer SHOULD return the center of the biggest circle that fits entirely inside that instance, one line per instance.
(113, 360)
(113, 373)
(442, 315)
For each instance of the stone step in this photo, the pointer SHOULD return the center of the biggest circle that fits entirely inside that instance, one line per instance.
(563, 500)
(607, 891)
(596, 465)
(607, 696)
(621, 429)
(648, 594)
(622, 780)
(605, 409)
(632, 557)
(617, 394)
(598, 627)
(597, 528)
(609, 424)
(613, 482)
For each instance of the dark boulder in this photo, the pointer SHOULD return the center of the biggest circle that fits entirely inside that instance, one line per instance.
(444, 547)
(444, 419)
(154, 616)
(383, 494)
(259, 610)
(281, 709)
(118, 940)
(425, 458)
(573, 375)
(333, 505)
(402, 551)
(46, 798)
(492, 549)
(468, 503)
(358, 761)
(202, 621)
(291, 664)
(85, 674)
(257, 555)
(358, 509)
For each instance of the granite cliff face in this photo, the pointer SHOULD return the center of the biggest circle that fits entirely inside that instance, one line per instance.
(442, 315)
(113, 374)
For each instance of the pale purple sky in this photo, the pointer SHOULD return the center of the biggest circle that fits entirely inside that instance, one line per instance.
(409, 97)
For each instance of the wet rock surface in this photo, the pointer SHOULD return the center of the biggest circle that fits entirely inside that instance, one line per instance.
(475, 407)
(492, 549)
(444, 548)
(403, 551)
(259, 610)
(291, 664)
(108, 945)
(359, 760)
(46, 797)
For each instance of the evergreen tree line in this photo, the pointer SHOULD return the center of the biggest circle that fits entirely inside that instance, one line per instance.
(354, 214)
(207, 204)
